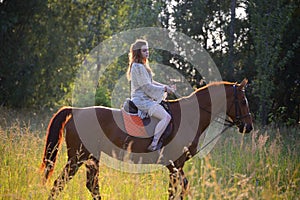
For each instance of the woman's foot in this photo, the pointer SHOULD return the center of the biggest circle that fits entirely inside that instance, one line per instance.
(153, 147)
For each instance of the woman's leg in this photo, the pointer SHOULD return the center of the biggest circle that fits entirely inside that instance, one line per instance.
(164, 117)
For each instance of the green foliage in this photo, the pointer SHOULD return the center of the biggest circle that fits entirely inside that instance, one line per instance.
(268, 20)
(44, 44)
(265, 45)
(101, 98)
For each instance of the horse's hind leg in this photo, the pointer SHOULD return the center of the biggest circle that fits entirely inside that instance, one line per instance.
(67, 174)
(92, 173)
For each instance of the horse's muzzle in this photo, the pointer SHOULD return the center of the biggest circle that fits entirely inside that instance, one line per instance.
(245, 128)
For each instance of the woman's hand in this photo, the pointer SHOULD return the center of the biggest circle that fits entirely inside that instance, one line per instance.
(170, 89)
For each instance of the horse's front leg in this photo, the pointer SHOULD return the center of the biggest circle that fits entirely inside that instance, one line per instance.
(184, 184)
(173, 185)
(92, 173)
(178, 182)
(174, 182)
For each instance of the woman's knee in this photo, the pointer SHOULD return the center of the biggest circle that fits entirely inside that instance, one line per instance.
(159, 112)
(168, 117)
(165, 116)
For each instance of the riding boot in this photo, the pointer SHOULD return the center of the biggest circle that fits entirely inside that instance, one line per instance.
(167, 132)
(156, 143)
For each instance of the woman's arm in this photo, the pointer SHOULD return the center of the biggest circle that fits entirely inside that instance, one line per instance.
(143, 81)
(168, 89)
(160, 84)
(157, 83)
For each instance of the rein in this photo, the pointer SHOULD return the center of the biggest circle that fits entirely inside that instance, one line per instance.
(217, 136)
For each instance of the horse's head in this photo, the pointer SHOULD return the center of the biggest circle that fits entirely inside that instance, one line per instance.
(238, 108)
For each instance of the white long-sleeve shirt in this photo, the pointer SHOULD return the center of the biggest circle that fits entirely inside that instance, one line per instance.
(144, 93)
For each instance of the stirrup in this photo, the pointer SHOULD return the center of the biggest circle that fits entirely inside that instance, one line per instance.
(156, 147)
(151, 148)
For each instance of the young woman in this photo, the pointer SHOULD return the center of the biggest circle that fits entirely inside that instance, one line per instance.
(146, 93)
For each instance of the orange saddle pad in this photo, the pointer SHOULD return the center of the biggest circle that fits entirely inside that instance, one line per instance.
(135, 126)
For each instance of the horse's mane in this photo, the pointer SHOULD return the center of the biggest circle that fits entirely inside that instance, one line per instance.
(214, 84)
(204, 88)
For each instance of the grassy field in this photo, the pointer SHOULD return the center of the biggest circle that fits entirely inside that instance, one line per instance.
(262, 165)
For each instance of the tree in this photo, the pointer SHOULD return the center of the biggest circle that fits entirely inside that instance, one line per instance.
(129, 15)
(286, 106)
(216, 27)
(46, 42)
(268, 20)
(18, 59)
(231, 39)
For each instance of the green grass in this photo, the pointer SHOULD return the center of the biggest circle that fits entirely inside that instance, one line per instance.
(261, 165)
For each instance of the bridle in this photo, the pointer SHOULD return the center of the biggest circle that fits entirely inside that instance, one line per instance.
(228, 122)
(238, 117)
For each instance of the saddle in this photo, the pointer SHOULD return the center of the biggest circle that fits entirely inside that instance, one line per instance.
(130, 107)
(143, 128)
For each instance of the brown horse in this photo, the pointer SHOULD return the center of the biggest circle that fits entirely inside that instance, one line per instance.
(92, 130)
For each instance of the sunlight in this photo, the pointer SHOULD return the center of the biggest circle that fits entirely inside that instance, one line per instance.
(240, 11)
(216, 36)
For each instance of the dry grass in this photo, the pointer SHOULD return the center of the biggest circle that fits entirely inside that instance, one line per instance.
(259, 166)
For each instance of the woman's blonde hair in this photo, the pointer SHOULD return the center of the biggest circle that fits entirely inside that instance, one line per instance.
(135, 56)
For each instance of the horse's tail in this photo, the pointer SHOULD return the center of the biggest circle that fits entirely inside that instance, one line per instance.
(53, 140)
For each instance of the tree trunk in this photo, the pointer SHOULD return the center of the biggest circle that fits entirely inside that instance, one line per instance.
(231, 41)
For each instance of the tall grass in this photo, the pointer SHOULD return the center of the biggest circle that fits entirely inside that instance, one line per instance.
(261, 165)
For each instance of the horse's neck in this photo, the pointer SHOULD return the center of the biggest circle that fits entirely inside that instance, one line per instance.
(213, 99)
(211, 103)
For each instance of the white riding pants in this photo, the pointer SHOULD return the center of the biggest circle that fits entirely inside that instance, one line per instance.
(164, 118)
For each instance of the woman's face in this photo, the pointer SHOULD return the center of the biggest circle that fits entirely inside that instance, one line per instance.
(145, 51)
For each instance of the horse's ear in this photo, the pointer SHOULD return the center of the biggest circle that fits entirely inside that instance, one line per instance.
(244, 83)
